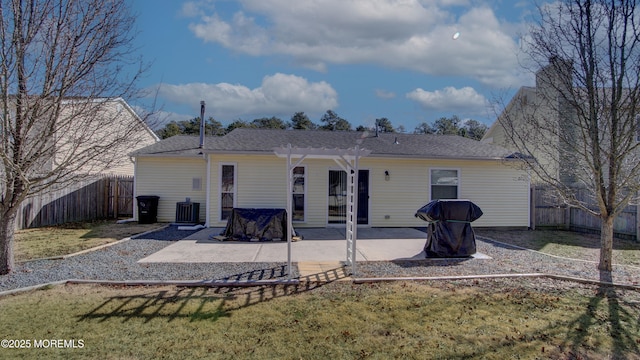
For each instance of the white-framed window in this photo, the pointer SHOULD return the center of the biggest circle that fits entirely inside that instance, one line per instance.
(298, 193)
(444, 183)
(228, 189)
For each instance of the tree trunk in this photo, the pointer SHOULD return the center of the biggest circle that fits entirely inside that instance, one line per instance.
(606, 244)
(7, 232)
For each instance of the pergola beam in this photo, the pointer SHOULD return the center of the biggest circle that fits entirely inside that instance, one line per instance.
(320, 153)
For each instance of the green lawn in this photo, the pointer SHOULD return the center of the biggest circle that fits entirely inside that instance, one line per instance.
(489, 319)
(493, 319)
(568, 244)
(69, 238)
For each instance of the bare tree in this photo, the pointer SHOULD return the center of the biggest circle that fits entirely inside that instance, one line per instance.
(63, 64)
(581, 124)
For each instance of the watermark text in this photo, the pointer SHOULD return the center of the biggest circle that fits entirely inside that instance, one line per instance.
(42, 343)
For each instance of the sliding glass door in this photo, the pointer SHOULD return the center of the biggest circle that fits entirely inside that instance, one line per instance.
(337, 205)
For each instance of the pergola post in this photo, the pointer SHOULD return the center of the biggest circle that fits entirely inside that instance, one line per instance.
(290, 168)
(350, 166)
(348, 161)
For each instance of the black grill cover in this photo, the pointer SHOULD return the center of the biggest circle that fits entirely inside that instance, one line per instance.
(257, 224)
(449, 232)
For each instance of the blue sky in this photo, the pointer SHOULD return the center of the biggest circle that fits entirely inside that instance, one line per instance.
(363, 59)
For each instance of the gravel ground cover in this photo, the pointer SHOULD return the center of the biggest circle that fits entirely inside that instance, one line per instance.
(505, 259)
(119, 263)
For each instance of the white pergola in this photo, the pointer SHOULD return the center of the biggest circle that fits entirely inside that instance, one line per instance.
(347, 159)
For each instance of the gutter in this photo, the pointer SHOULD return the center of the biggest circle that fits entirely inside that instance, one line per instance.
(165, 155)
(392, 156)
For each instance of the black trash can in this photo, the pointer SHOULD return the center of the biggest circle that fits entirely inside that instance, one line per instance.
(147, 209)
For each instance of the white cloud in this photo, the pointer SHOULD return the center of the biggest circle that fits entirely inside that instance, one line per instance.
(406, 34)
(461, 101)
(190, 9)
(157, 119)
(383, 94)
(454, 2)
(278, 95)
(241, 33)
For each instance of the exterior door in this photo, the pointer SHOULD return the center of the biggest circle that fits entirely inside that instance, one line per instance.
(337, 204)
(363, 197)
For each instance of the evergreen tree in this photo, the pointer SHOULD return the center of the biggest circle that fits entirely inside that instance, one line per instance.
(474, 129)
(191, 127)
(424, 128)
(239, 123)
(447, 126)
(269, 123)
(333, 122)
(384, 125)
(300, 121)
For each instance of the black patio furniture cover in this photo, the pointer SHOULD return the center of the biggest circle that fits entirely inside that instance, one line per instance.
(256, 225)
(449, 233)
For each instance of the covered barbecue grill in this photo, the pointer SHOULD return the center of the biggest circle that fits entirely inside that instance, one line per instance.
(256, 225)
(449, 232)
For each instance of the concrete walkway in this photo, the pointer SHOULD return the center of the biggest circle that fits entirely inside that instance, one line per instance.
(318, 246)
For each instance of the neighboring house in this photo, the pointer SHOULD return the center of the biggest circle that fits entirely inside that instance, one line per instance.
(123, 121)
(538, 117)
(88, 136)
(107, 126)
(105, 120)
(544, 101)
(400, 174)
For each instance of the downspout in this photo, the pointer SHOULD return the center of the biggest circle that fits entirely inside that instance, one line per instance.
(202, 125)
(207, 158)
(135, 177)
(531, 207)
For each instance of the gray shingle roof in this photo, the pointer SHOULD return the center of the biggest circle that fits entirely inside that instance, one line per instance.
(179, 145)
(385, 145)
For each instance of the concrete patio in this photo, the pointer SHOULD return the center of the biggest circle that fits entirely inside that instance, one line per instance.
(318, 245)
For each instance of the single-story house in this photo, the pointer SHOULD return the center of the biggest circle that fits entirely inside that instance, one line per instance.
(397, 175)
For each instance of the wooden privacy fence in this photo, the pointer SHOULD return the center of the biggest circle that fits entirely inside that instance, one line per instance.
(102, 198)
(546, 211)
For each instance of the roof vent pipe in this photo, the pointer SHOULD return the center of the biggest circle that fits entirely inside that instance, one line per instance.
(202, 126)
(376, 127)
(396, 141)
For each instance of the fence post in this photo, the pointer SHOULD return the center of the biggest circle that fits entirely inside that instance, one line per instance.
(116, 203)
(107, 183)
(567, 217)
(638, 222)
(532, 206)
